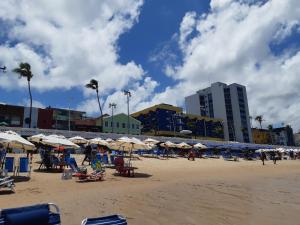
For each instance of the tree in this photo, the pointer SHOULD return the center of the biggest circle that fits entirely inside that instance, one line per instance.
(24, 70)
(259, 119)
(95, 86)
(270, 128)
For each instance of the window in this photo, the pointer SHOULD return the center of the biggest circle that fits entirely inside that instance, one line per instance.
(132, 126)
(111, 124)
(123, 125)
(106, 124)
(118, 124)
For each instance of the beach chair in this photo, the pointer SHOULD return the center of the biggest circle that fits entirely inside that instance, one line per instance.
(105, 159)
(31, 215)
(77, 171)
(122, 169)
(97, 174)
(107, 220)
(24, 166)
(7, 182)
(9, 164)
(112, 159)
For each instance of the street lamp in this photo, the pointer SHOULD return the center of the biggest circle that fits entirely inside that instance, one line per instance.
(112, 106)
(202, 108)
(128, 94)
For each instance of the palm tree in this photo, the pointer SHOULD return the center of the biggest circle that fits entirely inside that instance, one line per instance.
(259, 119)
(95, 86)
(270, 128)
(24, 70)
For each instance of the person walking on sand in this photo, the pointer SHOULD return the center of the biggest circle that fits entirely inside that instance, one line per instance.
(263, 157)
(273, 156)
(191, 155)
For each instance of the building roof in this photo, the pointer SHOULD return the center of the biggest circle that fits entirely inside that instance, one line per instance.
(159, 106)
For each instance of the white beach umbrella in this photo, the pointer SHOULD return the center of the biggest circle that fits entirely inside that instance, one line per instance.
(78, 140)
(109, 140)
(200, 146)
(151, 141)
(128, 144)
(58, 141)
(98, 141)
(184, 145)
(36, 138)
(168, 144)
(14, 140)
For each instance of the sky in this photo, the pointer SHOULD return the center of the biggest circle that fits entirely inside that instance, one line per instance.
(160, 50)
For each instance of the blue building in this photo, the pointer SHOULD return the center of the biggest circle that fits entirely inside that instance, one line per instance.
(168, 120)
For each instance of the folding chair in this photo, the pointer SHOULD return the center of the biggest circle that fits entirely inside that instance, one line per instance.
(107, 220)
(31, 215)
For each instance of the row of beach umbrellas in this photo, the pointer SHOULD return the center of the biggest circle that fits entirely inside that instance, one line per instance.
(14, 140)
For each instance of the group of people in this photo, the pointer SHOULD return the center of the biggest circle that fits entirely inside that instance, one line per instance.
(90, 152)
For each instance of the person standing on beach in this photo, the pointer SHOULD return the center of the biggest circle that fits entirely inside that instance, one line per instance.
(87, 152)
(263, 157)
(273, 156)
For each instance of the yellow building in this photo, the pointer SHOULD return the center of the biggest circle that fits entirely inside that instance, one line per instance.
(261, 136)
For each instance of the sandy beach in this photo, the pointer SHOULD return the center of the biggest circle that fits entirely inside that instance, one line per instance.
(174, 191)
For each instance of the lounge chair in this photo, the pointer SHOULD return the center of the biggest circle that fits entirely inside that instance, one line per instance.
(77, 171)
(122, 169)
(31, 215)
(24, 166)
(107, 220)
(9, 164)
(6, 182)
(97, 174)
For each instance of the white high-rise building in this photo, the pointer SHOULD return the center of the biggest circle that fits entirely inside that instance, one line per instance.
(227, 102)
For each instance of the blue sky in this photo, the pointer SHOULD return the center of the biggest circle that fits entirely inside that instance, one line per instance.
(161, 50)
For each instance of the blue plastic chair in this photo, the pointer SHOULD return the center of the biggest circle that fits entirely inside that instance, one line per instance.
(99, 157)
(105, 159)
(31, 215)
(107, 220)
(24, 166)
(9, 164)
(112, 159)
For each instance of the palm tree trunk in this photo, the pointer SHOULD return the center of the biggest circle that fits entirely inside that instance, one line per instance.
(101, 114)
(260, 125)
(30, 96)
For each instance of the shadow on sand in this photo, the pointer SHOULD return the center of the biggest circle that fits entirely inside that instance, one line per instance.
(6, 192)
(48, 171)
(136, 175)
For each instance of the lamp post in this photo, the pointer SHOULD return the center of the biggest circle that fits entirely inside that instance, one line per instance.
(128, 94)
(112, 106)
(202, 108)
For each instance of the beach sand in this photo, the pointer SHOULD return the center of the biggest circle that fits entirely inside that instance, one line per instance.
(174, 191)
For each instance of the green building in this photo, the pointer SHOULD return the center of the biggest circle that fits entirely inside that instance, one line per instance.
(118, 124)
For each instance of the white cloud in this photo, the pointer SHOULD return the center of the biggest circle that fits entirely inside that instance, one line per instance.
(68, 42)
(35, 103)
(232, 44)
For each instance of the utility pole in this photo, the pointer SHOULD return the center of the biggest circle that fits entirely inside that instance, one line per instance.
(128, 94)
(112, 106)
